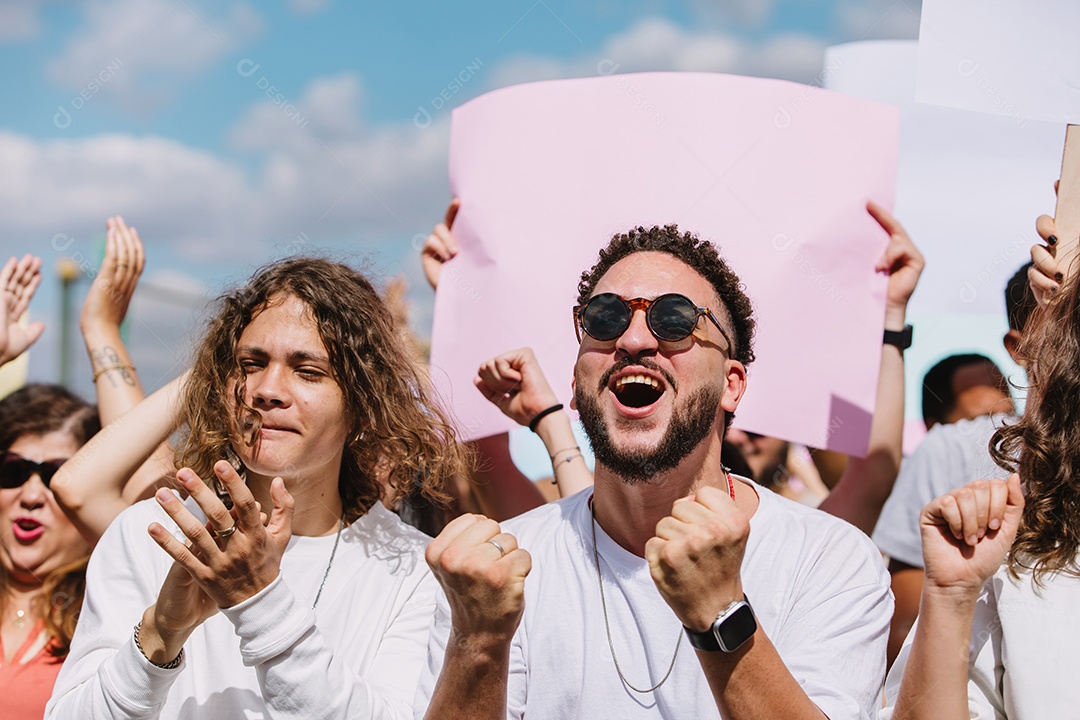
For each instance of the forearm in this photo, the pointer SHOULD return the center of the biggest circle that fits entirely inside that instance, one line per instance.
(117, 383)
(299, 674)
(90, 485)
(754, 684)
(867, 482)
(571, 472)
(474, 679)
(500, 487)
(935, 674)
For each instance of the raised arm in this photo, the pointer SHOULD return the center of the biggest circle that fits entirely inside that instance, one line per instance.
(867, 482)
(966, 535)
(89, 485)
(515, 383)
(19, 279)
(103, 311)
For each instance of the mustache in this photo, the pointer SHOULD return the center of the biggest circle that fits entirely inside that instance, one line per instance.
(636, 362)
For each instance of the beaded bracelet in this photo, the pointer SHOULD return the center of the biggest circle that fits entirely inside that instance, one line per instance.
(171, 665)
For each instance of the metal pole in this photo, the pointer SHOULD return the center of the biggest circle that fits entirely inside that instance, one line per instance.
(69, 273)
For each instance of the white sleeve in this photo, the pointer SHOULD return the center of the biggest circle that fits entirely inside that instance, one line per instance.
(985, 668)
(299, 675)
(105, 676)
(833, 641)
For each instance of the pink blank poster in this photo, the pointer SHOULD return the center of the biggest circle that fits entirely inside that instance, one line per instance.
(775, 173)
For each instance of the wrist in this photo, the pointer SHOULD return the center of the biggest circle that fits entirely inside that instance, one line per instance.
(701, 617)
(895, 318)
(159, 645)
(952, 598)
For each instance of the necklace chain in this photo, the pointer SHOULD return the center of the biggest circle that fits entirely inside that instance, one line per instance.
(607, 623)
(333, 552)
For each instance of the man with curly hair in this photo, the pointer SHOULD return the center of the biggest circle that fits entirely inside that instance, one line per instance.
(673, 589)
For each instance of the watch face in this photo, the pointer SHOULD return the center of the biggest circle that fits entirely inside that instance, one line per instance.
(736, 628)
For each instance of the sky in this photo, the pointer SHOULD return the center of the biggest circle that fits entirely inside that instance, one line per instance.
(234, 133)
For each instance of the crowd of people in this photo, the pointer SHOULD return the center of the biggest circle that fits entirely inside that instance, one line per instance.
(292, 529)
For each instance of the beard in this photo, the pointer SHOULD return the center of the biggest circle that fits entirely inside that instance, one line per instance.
(689, 426)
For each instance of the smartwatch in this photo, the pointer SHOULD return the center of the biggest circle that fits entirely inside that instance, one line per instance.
(899, 338)
(732, 627)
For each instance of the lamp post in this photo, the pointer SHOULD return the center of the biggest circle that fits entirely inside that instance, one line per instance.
(68, 271)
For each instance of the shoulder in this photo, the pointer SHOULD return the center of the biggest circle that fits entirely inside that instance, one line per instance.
(813, 538)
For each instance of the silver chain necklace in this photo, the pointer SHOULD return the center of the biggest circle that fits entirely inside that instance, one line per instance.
(333, 552)
(607, 624)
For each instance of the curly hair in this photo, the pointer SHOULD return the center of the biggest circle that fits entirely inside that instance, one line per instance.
(40, 409)
(737, 312)
(1044, 445)
(400, 442)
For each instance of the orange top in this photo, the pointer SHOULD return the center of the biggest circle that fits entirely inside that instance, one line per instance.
(26, 682)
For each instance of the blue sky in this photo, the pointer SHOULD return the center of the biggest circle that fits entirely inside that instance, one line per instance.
(232, 133)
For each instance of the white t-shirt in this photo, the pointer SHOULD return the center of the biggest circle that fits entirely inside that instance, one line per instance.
(1025, 648)
(950, 456)
(358, 655)
(817, 586)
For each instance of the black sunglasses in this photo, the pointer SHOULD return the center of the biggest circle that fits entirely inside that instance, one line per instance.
(16, 470)
(670, 317)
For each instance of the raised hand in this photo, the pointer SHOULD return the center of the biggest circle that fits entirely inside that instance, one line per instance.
(696, 556)
(902, 260)
(19, 279)
(482, 571)
(515, 384)
(967, 533)
(110, 294)
(440, 245)
(234, 555)
(1047, 273)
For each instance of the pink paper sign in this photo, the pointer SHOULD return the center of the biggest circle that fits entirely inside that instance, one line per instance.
(775, 173)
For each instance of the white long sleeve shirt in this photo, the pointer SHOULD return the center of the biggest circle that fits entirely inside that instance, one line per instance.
(357, 656)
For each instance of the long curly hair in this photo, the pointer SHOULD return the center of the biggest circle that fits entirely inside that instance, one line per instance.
(40, 409)
(699, 254)
(1044, 445)
(400, 442)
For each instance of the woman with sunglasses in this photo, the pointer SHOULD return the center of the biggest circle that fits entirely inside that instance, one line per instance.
(42, 554)
(281, 587)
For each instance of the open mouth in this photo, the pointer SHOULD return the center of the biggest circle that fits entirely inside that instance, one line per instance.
(27, 529)
(638, 391)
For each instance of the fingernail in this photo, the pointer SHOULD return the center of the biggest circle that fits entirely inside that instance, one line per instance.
(1059, 277)
(994, 523)
(1052, 240)
(165, 497)
(972, 540)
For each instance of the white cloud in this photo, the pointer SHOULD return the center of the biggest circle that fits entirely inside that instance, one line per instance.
(307, 7)
(139, 50)
(657, 44)
(878, 19)
(69, 186)
(18, 21)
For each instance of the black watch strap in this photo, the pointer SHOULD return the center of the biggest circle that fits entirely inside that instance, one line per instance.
(733, 627)
(899, 338)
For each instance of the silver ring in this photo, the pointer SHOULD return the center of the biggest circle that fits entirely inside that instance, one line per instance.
(501, 549)
(222, 534)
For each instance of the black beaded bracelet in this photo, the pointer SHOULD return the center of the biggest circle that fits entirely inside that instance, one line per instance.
(543, 414)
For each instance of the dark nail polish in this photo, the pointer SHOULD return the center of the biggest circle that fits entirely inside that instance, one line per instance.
(1052, 240)
(1059, 277)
